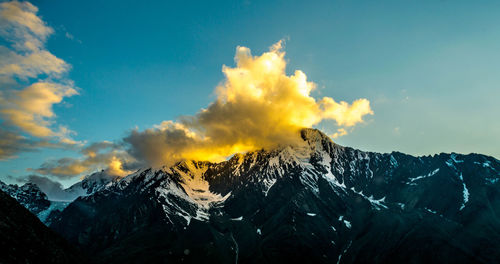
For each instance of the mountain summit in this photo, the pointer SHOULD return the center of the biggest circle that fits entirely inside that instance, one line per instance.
(310, 202)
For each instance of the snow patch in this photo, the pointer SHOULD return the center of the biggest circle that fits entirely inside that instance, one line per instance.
(268, 184)
(192, 189)
(346, 223)
(430, 174)
(54, 205)
(431, 211)
(326, 162)
(454, 158)
(377, 204)
(394, 162)
(198, 189)
(465, 192)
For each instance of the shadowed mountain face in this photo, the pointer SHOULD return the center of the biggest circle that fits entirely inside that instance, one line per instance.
(29, 195)
(24, 239)
(36, 201)
(314, 202)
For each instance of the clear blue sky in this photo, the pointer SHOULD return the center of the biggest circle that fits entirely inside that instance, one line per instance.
(429, 68)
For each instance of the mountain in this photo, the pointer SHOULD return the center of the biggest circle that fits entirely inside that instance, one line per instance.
(87, 186)
(26, 240)
(37, 202)
(29, 195)
(90, 184)
(310, 202)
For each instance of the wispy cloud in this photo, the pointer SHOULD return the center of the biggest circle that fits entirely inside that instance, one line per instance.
(31, 82)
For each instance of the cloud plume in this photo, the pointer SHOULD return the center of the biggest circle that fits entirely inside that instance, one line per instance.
(258, 106)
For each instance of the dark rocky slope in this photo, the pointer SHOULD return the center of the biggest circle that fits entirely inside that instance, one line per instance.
(24, 239)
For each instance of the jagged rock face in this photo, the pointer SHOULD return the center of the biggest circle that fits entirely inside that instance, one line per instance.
(24, 239)
(90, 184)
(314, 202)
(29, 195)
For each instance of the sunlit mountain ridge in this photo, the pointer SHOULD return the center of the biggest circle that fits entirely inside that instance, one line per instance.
(313, 201)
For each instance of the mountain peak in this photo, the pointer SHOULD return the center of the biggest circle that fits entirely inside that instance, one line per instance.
(314, 135)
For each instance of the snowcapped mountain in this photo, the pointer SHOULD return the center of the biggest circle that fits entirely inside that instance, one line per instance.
(87, 186)
(312, 202)
(28, 195)
(37, 202)
(90, 184)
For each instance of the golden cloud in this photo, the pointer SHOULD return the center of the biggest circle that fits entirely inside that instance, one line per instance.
(340, 132)
(101, 155)
(31, 108)
(20, 24)
(257, 106)
(28, 109)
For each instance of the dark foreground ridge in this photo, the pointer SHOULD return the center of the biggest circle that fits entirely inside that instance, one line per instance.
(313, 202)
(24, 239)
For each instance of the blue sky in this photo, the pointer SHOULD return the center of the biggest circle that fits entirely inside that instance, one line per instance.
(428, 68)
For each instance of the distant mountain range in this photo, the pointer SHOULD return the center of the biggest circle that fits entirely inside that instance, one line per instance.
(36, 201)
(310, 202)
(28, 195)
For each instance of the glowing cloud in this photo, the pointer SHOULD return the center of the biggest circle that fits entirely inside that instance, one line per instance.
(27, 108)
(30, 108)
(340, 132)
(101, 155)
(257, 106)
